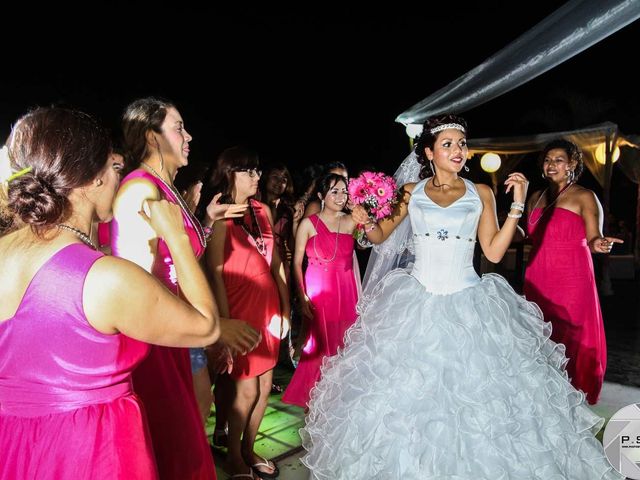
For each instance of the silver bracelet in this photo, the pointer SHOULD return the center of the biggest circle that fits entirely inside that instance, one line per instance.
(514, 215)
(517, 206)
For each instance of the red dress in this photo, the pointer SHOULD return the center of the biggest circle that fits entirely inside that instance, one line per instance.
(164, 381)
(560, 279)
(252, 293)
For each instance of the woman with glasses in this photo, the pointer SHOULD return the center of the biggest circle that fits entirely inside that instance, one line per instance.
(248, 283)
(565, 226)
(327, 289)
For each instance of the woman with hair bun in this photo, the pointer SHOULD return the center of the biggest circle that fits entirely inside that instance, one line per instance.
(71, 319)
(446, 374)
(565, 225)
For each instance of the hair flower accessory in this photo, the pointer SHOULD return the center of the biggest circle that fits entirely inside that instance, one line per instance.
(377, 193)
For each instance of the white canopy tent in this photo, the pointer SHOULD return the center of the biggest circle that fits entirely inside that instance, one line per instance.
(572, 28)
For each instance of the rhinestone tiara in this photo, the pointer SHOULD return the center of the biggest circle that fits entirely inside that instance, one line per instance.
(446, 126)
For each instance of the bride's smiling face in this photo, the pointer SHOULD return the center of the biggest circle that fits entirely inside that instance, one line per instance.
(449, 151)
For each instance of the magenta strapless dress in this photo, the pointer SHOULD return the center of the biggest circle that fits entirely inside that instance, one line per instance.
(67, 407)
(164, 381)
(560, 279)
(331, 287)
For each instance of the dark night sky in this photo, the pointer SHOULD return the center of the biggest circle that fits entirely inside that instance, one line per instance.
(301, 87)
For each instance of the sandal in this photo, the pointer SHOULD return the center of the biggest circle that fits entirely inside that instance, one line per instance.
(219, 438)
(268, 464)
(243, 475)
(276, 388)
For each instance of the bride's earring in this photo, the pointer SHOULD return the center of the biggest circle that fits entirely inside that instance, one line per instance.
(321, 205)
(432, 169)
(466, 169)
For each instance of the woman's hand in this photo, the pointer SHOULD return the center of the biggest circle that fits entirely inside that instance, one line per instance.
(217, 211)
(220, 358)
(192, 196)
(603, 244)
(519, 183)
(306, 307)
(298, 211)
(360, 215)
(164, 217)
(238, 336)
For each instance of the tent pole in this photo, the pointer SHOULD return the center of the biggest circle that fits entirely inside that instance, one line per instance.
(605, 285)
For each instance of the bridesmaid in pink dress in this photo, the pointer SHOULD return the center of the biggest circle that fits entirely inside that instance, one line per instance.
(565, 226)
(70, 330)
(328, 290)
(154, 133)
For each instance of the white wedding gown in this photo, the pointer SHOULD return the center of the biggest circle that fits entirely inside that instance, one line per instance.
(446, 375)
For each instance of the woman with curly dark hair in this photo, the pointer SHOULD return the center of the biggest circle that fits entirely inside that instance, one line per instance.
(565, 225)
(445, 374)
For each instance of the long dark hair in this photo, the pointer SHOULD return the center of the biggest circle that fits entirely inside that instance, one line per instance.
(139, 117)
(427, 139)
(65, 149)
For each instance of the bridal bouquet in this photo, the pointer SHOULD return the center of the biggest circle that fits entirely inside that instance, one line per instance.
(377, 193)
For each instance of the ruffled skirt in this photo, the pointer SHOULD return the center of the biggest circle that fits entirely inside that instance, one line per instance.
(459, 386)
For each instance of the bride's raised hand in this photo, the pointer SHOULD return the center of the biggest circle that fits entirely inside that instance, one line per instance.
(519, 184)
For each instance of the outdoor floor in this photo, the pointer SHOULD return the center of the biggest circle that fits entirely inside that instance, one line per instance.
(278, 438)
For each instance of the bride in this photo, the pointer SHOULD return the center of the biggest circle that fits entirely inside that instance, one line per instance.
(446, 375)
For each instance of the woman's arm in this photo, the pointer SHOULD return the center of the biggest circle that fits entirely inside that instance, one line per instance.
(305, 231)
(495, 240)
(136, 240)
(278, 273)
(593, 217)
(120, 297)
(380, 231)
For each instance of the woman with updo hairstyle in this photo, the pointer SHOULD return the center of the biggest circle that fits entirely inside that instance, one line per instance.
(446, 374)
(327, 289)
(70, 318)
(249, 283)
(156, 138)
(565, 226)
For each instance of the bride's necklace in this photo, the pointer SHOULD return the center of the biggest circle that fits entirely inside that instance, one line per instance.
(335, 248)
(197, 226)
(255, 233)
(562, 190)
(78, 233)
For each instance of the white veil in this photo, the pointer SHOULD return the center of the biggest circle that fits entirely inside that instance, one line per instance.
(397, 250)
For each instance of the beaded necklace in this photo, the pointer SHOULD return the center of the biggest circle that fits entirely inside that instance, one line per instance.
(562, 190)
(255, 233)
(197, 226)
(80, 234)
(335, 248)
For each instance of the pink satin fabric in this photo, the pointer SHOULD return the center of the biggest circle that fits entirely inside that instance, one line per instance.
(560, 279)
(164, 381)
(331, 287)
(67, 409)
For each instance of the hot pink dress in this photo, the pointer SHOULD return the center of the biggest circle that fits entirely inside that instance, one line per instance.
(560, 279)
(331, 287)
(164, 380)
(67, 407)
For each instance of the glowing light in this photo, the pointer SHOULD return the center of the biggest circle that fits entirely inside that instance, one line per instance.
(490, 162)
(601, 154)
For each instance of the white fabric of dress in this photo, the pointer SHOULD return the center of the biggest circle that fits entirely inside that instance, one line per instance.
(446, 375)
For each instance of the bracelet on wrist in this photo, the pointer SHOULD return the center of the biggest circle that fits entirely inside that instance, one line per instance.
(517, 206)
(514, 215)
